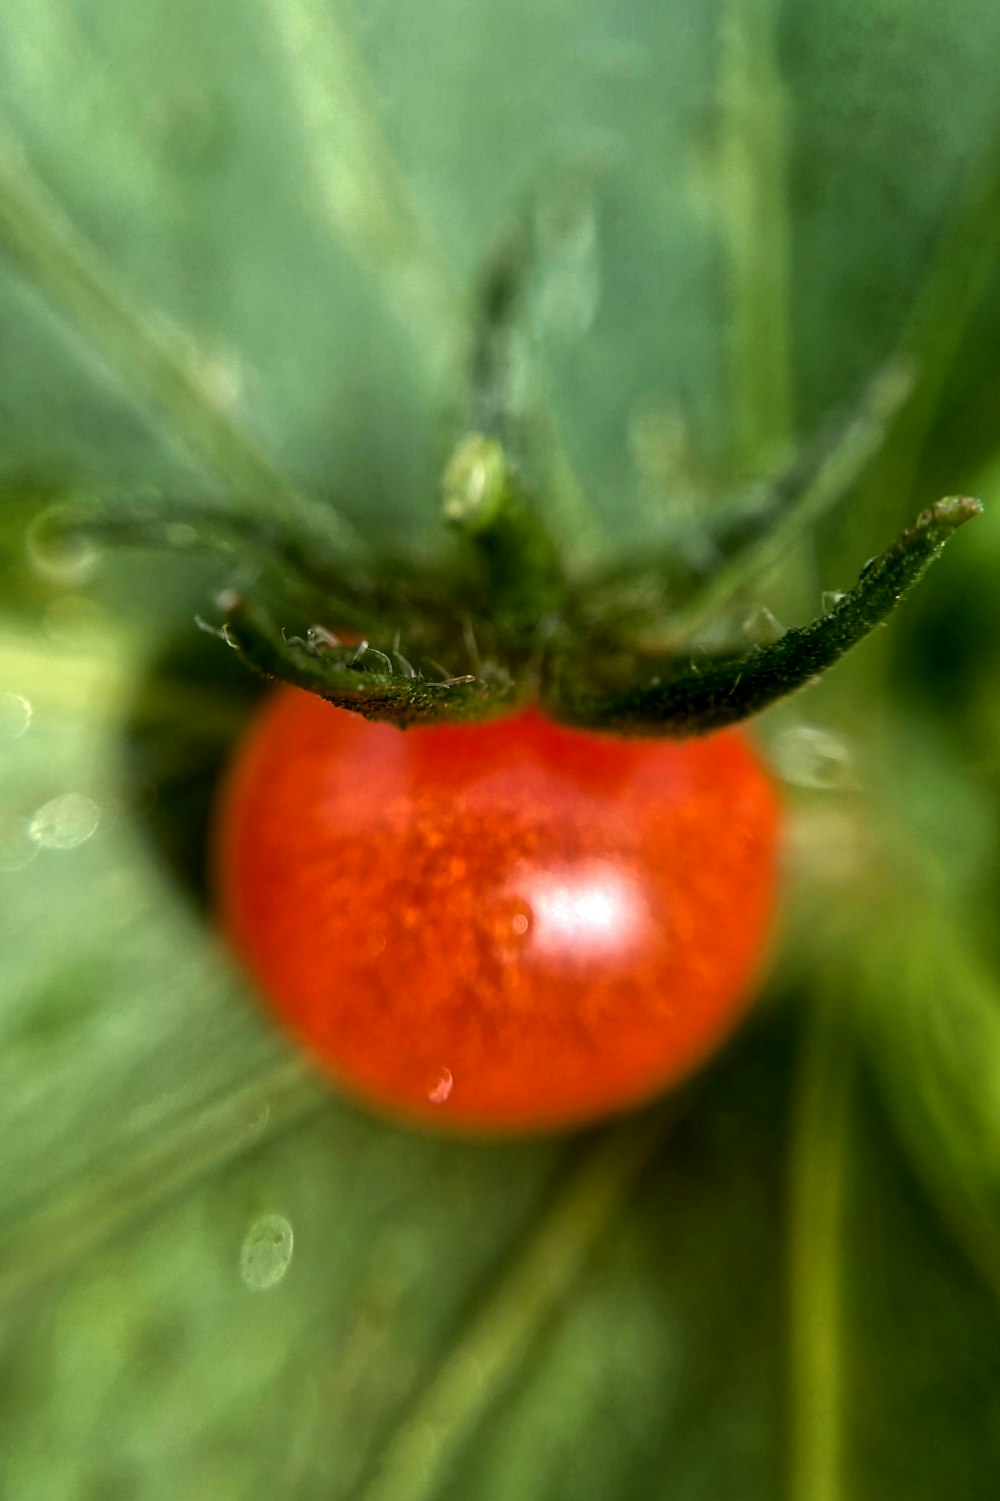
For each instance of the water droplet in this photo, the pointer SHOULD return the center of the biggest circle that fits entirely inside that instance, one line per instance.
(65, 822)
(809, 756)
(266, 1252)
(16, 847)
(762, 626)
(58, 552)
(442, 1088)
(15, 716)
(511, 921)
(698, 661)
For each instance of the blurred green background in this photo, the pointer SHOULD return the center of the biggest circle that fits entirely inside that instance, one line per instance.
(237, 249)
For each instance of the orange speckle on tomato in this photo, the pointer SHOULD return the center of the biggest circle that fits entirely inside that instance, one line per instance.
(499, 927)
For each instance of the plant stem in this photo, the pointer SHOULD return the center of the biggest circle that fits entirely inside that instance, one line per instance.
(817, 1173)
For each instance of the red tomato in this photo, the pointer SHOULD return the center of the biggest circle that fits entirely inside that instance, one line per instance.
(497, 927)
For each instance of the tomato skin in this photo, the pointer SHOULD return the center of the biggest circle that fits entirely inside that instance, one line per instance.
(501, 927)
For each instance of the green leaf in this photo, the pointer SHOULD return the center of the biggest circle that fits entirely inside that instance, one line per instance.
(239, 247)
(934, 1035)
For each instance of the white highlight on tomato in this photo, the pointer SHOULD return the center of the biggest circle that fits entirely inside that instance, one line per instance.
(588, 909)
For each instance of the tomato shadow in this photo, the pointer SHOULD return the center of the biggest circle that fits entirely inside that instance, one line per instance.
(186, 713)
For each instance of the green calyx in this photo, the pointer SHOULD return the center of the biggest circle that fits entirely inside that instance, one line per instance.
(691, 698)
(502, 624)
(495, 618)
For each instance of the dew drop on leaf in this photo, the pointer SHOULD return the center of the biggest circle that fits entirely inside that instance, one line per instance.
(65, 822)
(266, 1252)
(808, 756)
(57, 553)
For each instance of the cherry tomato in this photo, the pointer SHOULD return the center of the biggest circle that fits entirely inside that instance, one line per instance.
(498, 927)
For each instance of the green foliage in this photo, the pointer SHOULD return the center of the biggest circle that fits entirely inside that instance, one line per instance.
(238, 252)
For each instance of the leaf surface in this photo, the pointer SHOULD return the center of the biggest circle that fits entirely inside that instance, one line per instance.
(237, 254)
